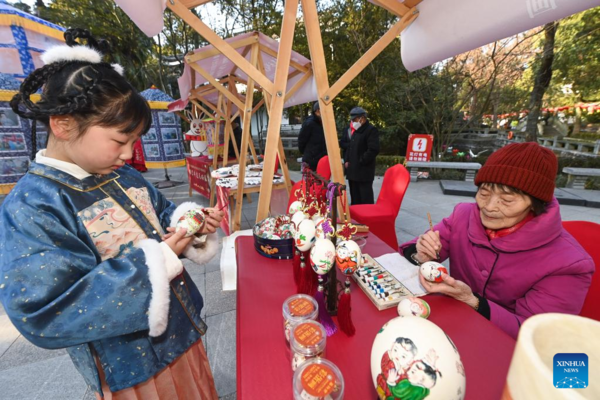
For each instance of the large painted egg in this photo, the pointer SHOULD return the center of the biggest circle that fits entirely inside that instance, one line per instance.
(304, 237)
(298, 217)
(348, 257)
(413, 306)
(192, 221)
(413, 358)
(432, 271)
(322, 256)
(294, 207)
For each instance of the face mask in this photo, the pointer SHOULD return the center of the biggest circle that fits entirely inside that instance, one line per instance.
(356, 125)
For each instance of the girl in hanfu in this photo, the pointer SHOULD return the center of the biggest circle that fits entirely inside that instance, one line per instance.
(86, 262)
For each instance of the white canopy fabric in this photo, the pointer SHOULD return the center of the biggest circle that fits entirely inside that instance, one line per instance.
(446, 28)
(443, 29)
(220, 66)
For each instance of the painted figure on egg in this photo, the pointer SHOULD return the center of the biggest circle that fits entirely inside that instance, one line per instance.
(346, 259)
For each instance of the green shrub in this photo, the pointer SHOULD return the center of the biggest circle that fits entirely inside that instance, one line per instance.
(447, 174)
(382, 163)
(561, 181)
(593, 183)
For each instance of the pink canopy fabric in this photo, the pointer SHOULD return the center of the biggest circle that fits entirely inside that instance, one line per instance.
(219, 66)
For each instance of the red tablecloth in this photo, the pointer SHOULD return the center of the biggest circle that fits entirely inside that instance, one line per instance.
(263, 367)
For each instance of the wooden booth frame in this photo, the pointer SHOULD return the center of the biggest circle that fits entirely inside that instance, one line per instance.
(274, 91)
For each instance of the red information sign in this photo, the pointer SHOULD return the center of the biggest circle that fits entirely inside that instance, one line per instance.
(419, 147)
(199, 175)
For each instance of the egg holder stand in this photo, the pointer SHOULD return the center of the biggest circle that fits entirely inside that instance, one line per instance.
(380, 286)
(333, 287)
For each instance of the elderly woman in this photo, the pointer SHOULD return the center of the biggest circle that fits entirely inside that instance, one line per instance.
(510, 257)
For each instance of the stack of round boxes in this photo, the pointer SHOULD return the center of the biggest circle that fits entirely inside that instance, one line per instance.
(315, 378)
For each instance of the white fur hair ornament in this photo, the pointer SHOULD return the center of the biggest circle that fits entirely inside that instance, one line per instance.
(76, 53)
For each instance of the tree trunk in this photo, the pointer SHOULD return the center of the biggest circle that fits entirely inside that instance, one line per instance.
(542, 81)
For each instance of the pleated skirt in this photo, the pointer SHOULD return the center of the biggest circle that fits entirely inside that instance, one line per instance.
(187, 378)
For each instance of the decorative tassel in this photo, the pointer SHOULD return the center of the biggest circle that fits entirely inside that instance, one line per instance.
(345, 311)
(296, 266)
(324, 316)
(308, 279)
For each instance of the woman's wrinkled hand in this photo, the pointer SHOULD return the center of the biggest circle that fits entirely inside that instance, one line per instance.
(451, 287)
(428, 246)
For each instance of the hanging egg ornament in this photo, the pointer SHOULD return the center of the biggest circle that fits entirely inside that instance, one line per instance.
(348, 256)
(192, 221)
(298, 217)
(304, 236)
(432, 271)
(322, 256)
(323, 227)
(413, 306)
(294, 207)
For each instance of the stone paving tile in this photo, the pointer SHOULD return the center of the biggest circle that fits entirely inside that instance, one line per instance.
(54, 378)
(221, 346)
(8, 334)
(22, 352)
(218, 301)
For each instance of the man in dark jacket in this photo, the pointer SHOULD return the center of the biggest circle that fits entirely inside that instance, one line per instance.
(237, 133)
(360, 144)
(311, 141)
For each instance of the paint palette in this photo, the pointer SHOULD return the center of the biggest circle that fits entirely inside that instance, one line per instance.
(380, 286)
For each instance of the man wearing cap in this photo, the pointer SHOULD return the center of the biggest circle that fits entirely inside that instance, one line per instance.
(360, 144)
(311, 141)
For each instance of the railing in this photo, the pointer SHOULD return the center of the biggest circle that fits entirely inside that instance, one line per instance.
(564, 145)
(289, 137)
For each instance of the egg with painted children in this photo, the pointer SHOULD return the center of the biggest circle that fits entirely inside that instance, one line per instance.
(413, 306)
(412, 358)
(295, 207)
(322, 256)
(348, 257)
(304, 237)
(192, 221)
(432, 271)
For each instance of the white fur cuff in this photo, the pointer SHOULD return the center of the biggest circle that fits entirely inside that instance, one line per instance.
(201, 254)
(158, 311)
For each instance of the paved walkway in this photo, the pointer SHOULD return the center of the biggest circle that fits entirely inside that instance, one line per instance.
(28, 372)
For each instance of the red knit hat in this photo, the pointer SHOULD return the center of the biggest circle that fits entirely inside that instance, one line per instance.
(528, 167)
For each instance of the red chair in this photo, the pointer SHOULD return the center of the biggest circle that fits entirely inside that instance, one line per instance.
(587, 234)
(323, 167)
(381, 216)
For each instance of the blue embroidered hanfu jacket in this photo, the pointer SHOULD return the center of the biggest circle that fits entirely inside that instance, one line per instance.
(74, 276)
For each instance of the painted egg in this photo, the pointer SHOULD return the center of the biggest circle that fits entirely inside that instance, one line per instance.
(273, 236)
(305, 235)
(432, 271)
(294, 207)
(414, 355)
(413, 306)
(323, 228)
(192, 221)
(322, 256)
(348, 257)
(298, 217)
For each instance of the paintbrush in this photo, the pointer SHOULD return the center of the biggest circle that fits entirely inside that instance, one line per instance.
(437, 253)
